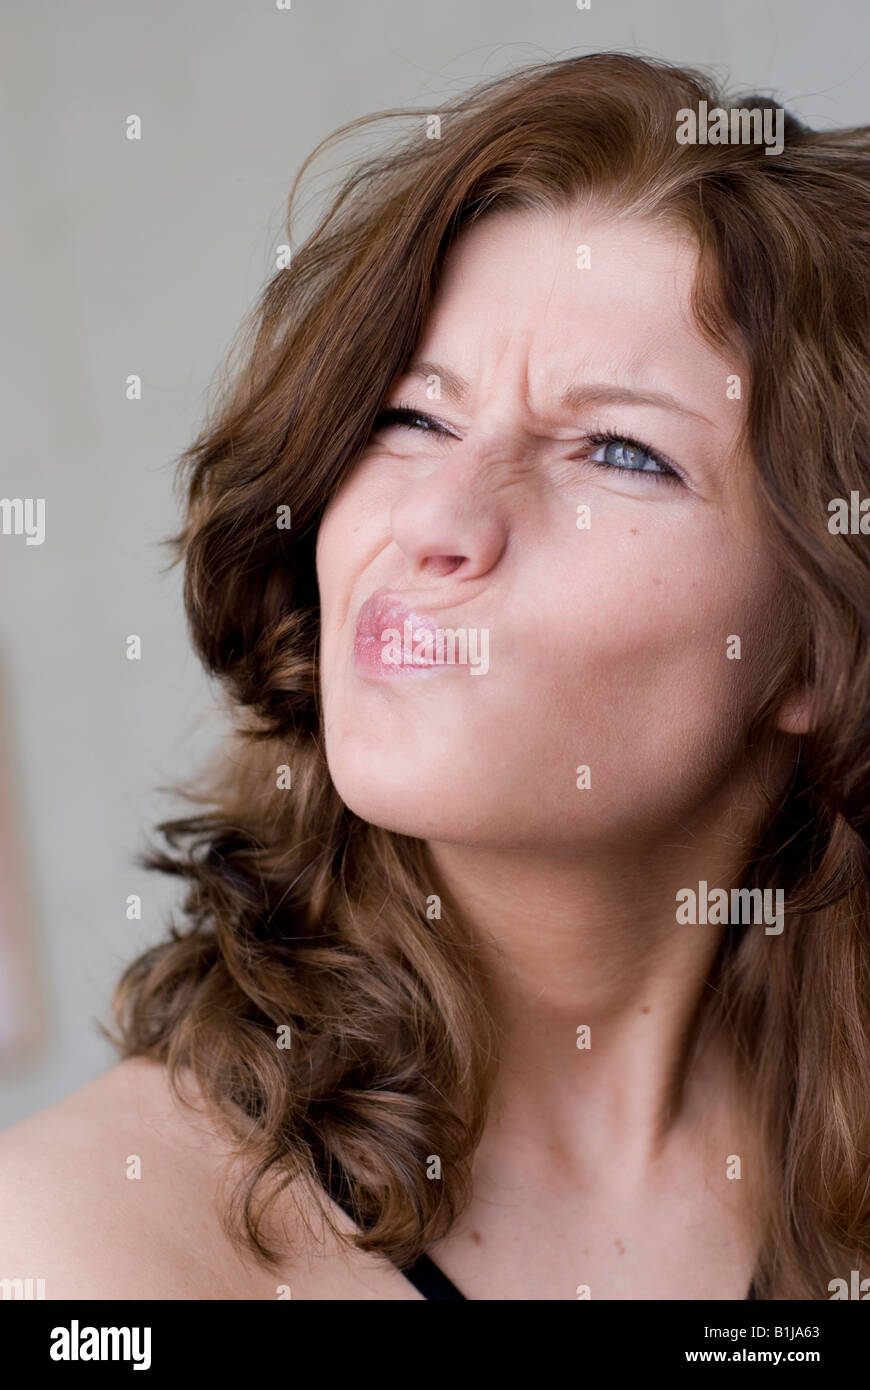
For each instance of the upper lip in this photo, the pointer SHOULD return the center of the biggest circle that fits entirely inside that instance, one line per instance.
(391, 608)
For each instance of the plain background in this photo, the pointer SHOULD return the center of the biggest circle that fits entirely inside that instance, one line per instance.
(123, 257)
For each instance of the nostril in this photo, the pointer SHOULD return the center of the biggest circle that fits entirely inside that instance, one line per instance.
(442, 565)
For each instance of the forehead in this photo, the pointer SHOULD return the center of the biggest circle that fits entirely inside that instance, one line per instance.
(576, 290)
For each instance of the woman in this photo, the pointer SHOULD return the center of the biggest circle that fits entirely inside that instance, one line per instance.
(526, 950)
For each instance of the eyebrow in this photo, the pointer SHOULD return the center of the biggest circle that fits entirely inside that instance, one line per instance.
(574, 397)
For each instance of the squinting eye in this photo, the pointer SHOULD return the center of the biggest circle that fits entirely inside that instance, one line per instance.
(410, 419)
(619, 452)
(630, 456)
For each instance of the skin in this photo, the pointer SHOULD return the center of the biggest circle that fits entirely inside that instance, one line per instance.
(602, 1168)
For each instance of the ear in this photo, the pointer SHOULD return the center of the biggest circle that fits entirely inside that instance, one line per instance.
(795, 714)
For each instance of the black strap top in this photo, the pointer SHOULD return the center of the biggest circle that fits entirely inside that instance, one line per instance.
(424, 1274)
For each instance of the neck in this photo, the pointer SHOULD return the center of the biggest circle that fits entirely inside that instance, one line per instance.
(591, 942)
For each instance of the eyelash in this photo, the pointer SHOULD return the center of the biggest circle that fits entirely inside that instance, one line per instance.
(668, 472)
(406, 415)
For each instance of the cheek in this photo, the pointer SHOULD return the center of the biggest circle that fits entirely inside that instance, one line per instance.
(339, 558)
(647, 645)
(668, 604)
(355, 526)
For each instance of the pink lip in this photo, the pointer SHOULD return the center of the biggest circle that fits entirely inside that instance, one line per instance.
(383, 613)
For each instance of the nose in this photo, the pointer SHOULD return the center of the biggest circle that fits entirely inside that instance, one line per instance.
(453, 521)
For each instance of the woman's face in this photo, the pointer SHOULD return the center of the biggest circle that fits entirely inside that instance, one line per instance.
(599, 587)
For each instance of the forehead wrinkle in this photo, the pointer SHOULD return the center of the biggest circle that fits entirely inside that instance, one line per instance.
(578, 395)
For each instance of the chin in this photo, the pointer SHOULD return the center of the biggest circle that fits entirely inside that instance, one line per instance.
(453, 808)
(386, 792)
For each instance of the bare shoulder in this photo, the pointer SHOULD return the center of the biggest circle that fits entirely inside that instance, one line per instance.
(116, 1193)
(112, 1193)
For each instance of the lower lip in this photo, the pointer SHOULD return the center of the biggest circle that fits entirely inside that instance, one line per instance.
(368, 654)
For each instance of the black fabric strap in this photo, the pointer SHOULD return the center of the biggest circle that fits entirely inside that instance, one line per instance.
(424, 1274)
(431, 1281)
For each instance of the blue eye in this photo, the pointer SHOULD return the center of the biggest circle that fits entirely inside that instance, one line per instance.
(627, 455)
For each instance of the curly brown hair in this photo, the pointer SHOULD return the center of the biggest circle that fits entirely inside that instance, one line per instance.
(300, 915)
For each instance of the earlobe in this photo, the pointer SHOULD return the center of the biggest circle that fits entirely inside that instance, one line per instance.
(795, 713)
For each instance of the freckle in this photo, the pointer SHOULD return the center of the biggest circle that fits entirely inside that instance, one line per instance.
(619, 1245)
(476, 1237)
(633, 531)
(645, 1009)
(656, 580)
